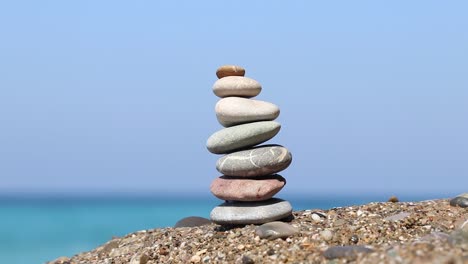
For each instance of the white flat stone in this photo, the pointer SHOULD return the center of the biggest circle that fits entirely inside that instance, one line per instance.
(236, 86)
(232, 111)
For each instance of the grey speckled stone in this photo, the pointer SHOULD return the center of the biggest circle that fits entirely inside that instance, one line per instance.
(242, 136)
(236, 86)
(238, 213)
(274, 230)
(232, 111)
(192, 221)
(461, 200)
(348, 252)
(248, 190)
(262, 160)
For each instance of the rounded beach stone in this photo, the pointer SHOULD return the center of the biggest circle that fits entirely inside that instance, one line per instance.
(237, 86)
(276, 229)
(242, 136)
(258, 161)
(348, 252)
(243, 189)
(232, 111)
(192, 221)
(238, 213)
(461, 200)
(230, 70)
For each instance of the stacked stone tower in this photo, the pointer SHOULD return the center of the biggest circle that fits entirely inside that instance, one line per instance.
(249, 179)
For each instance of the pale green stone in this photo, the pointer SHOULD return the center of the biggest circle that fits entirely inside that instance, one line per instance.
(242, 136)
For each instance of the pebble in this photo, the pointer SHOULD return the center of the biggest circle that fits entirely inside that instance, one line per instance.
(316, 217)
(195, 259)
(464, 226)
(461, 200)
(242, 136)
(246, 260)
(192, 221)
(348, 252)
(435, 236)
(139, 259)
(251, 212)
(221, 255)
(326, 234)
(236, 86)
(244, 189)
(230, 70)
(393, 199)
(60, 260)
(259, 161)
(109, 246)
(232, 111)
(276, 229)
(339, 222)
(397, 217)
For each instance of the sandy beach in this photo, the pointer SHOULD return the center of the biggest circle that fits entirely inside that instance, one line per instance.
(391, 232)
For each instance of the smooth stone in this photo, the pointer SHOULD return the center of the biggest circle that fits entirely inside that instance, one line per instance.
(60, 260)
(435, 236)
(326, 234)
(242, 136)
(393, 199)
(274, 230)
(461, 200)
(244, 189)
(464, 226)
(236, 86)
(230, 70)
(139, 259)
(316, 217)
(397, 217)
(237, 213)
(245, 260)
(460, 233)
(192, 221)
(232, 111)
(259, 161)
(349, 252)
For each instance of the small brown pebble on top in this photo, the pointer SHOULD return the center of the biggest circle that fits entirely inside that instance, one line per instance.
(393, 199)
(230, 70)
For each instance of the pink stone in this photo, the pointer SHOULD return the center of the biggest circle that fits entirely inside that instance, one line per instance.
(245, 189)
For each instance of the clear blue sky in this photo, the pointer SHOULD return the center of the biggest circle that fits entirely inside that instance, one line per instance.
(116, 95)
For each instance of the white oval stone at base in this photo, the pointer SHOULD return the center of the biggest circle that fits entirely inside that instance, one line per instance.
(243, 213)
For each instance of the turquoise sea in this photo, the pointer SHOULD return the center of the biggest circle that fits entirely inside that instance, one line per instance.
(36, 229)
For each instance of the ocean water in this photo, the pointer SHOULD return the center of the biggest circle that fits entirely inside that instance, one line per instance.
(39, 229)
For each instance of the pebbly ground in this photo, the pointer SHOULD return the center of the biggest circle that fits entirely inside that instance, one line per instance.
(410, 232)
